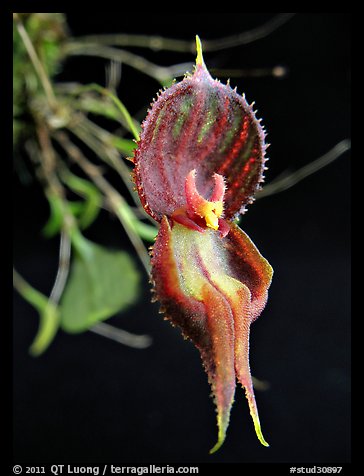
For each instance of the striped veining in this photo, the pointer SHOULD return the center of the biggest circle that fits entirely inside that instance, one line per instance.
(200, 124)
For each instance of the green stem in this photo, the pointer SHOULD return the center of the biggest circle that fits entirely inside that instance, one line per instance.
(31, 295)
(123, 110)
(286, 180)
(125, 213)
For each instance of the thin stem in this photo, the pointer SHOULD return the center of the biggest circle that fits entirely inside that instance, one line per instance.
(184, 46)
(48, 159)
(99, 45)
(76, 48)
(249, 36)
(99, 141)
(123, 110)
(152, 42)
(113, 76)
(63, 268)
(121, 336)
(43, 77)
(289, 179)
(277, 71)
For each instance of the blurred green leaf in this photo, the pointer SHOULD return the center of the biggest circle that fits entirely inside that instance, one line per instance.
(85, 211)
(101, 284)
(92, 195)
(76, 207)
(55, 221)
(98, 106)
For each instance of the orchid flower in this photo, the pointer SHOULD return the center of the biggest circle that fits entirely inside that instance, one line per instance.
(198, 162)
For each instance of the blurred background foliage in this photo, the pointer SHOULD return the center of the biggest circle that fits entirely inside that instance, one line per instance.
(49, 121)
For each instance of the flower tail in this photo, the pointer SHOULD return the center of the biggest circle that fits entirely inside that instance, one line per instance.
(242, 329)
(220, 363)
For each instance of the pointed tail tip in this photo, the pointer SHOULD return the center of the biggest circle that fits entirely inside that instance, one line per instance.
(259, 433)
(264, 443)
(216, 447)
(199, 57)
(255, 416)
(221, 436)
(220, 441)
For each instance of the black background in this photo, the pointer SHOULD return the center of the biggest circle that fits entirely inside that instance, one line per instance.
(88, 399)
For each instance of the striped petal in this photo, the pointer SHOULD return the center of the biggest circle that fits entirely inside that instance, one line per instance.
(198, 124)
(213, 288)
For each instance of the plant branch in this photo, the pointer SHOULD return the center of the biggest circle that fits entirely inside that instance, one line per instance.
(63, 268)
(116, 201)
(100, 141)
(76, 48)
(287, 180)
(121, 336)
(155, 42)
(124, 112)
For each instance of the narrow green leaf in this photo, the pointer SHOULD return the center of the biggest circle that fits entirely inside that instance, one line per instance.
(101, 284)
(93, 198)
(76, 207)
(97, 106)
(126, 146)
(145, 231)
(49, 316)
(55, 221)
(48, 327)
